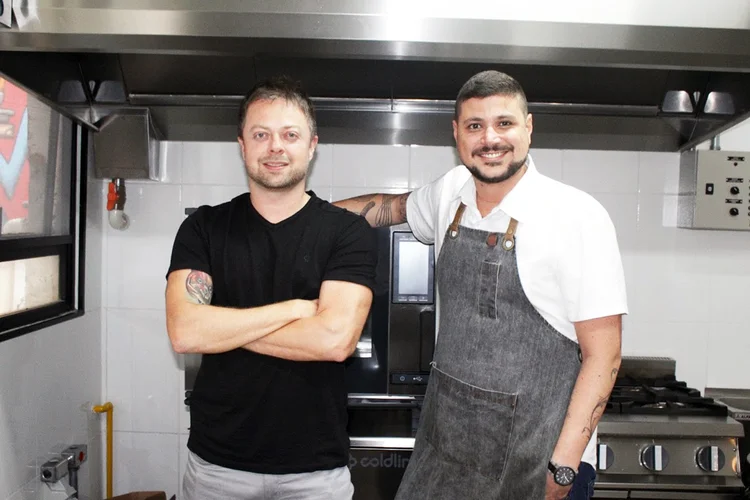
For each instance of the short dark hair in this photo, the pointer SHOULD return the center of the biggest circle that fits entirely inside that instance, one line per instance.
(488, 84)
(279, 87)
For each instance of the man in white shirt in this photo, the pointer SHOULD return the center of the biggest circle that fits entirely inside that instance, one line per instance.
(531, 293)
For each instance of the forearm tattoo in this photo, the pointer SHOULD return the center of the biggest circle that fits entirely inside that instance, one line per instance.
(595, 415)
(402, 205)
(199, 287)
(384, 216)
(367, 208)
(384, 213)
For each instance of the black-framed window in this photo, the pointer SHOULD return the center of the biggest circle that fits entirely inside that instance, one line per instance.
(42, 198)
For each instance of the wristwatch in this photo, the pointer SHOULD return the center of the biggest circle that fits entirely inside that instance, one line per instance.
(564, 476)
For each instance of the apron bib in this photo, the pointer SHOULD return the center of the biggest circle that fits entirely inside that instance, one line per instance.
(500, 383)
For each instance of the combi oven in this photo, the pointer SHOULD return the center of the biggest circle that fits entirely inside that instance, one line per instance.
(396, 347)
(387, 376)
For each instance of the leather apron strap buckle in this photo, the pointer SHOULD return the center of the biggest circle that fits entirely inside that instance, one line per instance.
(509, 239)
(453, 229)
(492, 240)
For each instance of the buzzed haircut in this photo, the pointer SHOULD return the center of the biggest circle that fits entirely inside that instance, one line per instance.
(490, 83)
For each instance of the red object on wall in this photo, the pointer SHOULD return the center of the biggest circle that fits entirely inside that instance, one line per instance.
(14, 185)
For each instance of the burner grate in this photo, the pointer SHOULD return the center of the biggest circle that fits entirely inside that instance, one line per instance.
(660, 396)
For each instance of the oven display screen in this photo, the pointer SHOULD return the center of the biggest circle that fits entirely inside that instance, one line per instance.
(413, 273)
(413, 269)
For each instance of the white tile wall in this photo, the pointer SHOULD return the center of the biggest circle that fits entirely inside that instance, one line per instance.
(549, 162)
(680, 282)
(658, 173)
(218, 163)
(321, 168)
(428, 163)
(601, 171)
(50, 379)
(686, 341)
(728, 346)
(48, 382)
(371, 166)
(657, 223)
(145, 461)
(146, 386)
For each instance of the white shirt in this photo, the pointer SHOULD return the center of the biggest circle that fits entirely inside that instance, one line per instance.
(566, 248)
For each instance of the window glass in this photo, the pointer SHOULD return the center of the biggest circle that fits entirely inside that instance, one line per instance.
(35, 160)
(29, 283)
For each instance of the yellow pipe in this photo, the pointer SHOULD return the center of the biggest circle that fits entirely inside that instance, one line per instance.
(108, 408)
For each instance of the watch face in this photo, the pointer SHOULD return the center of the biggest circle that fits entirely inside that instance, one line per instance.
(564, 476)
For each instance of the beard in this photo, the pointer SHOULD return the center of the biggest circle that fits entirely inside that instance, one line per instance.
(284, 182)
(513, 167)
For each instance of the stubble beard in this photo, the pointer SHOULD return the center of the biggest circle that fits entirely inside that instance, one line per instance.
(286, 182)
(512, 169)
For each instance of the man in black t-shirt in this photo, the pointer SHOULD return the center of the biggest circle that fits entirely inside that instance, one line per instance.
(273, 288)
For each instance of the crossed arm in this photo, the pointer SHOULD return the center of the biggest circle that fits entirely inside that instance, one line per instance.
(324, 330)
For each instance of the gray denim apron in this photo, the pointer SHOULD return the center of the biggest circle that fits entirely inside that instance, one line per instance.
(500, 383)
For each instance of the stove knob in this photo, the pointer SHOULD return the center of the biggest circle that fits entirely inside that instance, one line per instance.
(710, 458)
(655, 458)
(734, 190)
(734, 212)
(604, 457)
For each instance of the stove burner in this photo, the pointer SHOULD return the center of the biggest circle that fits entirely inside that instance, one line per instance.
(664, 396)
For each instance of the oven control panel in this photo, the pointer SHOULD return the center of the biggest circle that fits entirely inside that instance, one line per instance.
(714, 190)
(670, 456)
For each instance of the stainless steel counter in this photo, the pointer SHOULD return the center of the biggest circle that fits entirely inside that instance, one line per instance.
(668, 426)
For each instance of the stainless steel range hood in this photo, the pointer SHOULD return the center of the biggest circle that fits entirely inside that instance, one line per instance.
(660, 76)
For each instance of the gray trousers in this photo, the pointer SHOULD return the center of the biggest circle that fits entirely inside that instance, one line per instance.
(206, 481)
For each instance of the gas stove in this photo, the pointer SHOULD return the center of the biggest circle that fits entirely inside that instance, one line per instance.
(660, 396)
(659, 438)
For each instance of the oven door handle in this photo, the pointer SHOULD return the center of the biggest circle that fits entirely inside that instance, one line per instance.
(389, 443)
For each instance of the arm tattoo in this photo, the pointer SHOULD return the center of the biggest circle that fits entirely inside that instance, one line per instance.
(385, 215)
(199, 287)
(614, 373)
(367, 208)
(402, 205)
(595, 414)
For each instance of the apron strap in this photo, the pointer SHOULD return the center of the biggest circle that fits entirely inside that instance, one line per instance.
(509, 239)
(453, 228)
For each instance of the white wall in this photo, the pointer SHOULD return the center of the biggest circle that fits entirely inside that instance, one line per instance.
(687, 289)
(49, 380)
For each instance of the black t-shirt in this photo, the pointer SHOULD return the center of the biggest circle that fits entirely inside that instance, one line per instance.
(260, 413)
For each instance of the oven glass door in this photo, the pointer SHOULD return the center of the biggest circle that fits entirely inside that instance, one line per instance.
(381, 434)
(377, 466)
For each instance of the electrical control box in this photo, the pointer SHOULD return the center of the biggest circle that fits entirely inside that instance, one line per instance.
(714, 190)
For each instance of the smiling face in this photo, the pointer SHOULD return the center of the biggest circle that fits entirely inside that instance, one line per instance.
(277, 144)
(493, 135)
